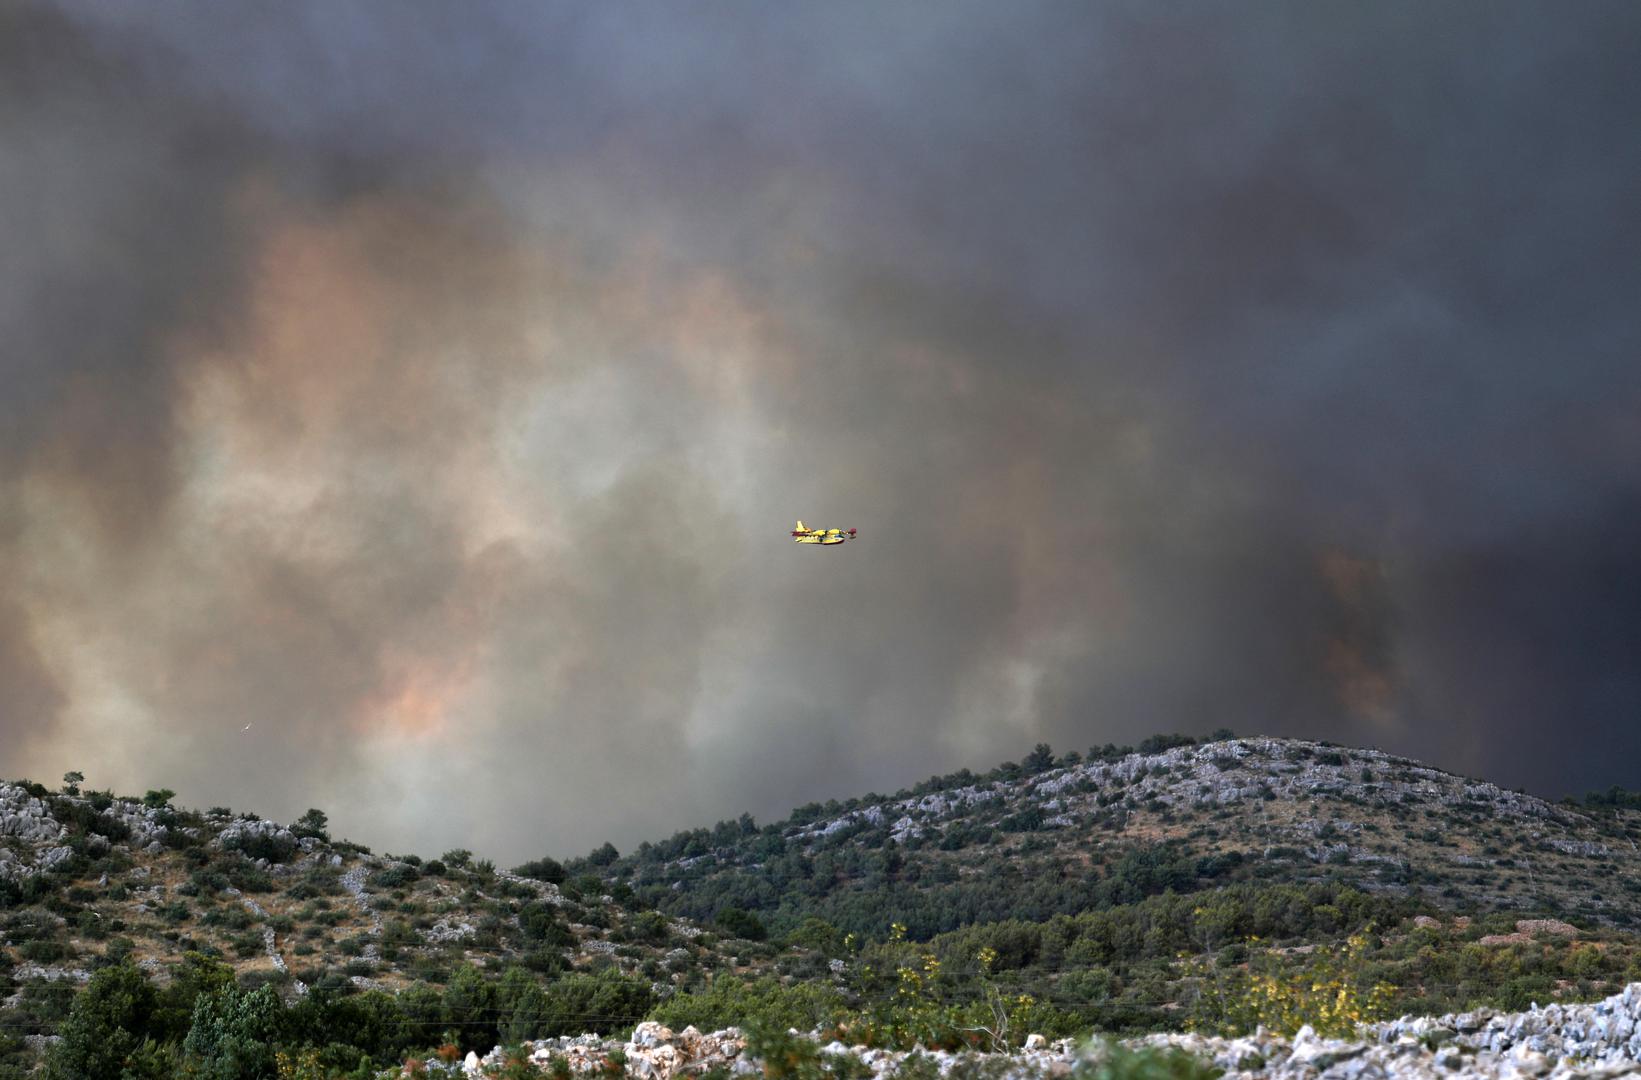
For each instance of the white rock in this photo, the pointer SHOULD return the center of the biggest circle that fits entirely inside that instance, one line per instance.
(650, 1033)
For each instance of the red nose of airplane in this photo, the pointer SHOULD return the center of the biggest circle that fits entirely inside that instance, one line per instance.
(851, 532)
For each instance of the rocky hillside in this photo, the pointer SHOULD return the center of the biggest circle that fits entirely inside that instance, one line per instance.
(1056, 836)
(1125, 892)
(88, 879)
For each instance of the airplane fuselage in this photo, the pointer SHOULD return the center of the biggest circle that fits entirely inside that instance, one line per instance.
(823, 537)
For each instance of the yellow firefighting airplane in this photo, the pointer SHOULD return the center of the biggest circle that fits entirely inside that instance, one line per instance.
(804, 535)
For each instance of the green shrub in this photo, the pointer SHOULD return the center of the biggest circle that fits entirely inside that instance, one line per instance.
(1331, 990)
(233, 918)
(44, 951)
(542, 869)
(197, 974)
(208, 881)
(470, 1008)
(784, 1056)
(540, 922)
(544, 961)
(730, 1001)
(522, 1006)
(248, 877)
(603, 1002)
(916, 1066)
(742, 924)
(395, 876)
(649, 926)
(819, 935)
(84, 819)
(317, 881)
(233, 1034)
(118, 951)
(399, 932)
(106, 1026)
(1113, 1061)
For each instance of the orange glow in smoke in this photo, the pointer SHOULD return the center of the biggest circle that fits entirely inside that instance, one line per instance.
(418, 703)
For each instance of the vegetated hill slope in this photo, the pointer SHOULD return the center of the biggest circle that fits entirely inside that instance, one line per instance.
(89, 879)
(1053, 893)
(1048, 837)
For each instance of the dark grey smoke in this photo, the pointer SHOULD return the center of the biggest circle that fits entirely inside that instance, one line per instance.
(431, 388)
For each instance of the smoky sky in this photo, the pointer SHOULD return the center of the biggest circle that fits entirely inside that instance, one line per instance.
(405, 406)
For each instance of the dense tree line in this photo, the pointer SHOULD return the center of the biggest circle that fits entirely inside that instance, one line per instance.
(1163, 926)
(123, 1027)
(1614, 798)
(862, 889)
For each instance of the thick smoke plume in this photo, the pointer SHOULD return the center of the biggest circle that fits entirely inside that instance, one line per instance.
(404, 408)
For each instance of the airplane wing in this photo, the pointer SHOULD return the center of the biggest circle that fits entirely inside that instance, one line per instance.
(805, 535)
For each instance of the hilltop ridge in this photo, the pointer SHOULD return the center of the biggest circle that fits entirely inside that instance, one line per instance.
(1057, 835)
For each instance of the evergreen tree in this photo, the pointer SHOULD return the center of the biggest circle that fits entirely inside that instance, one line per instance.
(174, 1008)
(543, 869)
(1041, 759)
(312, 823)
(234, 1033)
(105, 1028)
(470, 1008)
(742, 924)
(522, 1006)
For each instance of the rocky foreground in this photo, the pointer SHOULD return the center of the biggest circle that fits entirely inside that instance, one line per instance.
(1561, 1042)
(1558, 1042)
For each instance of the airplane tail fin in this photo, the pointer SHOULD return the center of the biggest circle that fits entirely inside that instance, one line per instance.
(801, 527)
